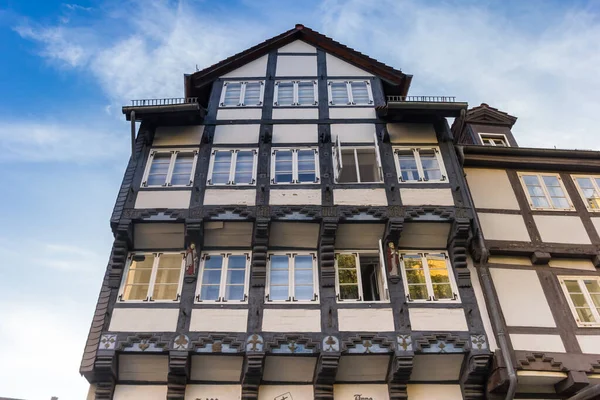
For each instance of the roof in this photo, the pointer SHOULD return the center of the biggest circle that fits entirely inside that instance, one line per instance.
(299, 32)
(484, 114)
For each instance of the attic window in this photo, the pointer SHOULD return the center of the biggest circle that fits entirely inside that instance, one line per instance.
(491, 139)
(242, 94)
(295, 93)
(350, 93)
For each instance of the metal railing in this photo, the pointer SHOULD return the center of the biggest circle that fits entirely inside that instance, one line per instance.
(422, 99)
(164, 102)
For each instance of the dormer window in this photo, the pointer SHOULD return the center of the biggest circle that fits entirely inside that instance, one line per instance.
(242, 94)
(350, 93)
(494, 139)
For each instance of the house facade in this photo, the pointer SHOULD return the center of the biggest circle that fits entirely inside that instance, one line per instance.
(298, 227)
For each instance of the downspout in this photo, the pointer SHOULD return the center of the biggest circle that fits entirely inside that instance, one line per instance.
(132, 118)
(488, 290)
(589, 393)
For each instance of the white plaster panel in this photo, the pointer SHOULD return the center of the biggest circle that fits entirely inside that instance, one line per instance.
(596, 222)
(358, 236)
(136, 392)
(236, 134)
(144, 320)
(288, 320)
(228, 234)
(437, 367)
(219, 320)
(224, 392)
(482, 305)
(362, 368)
(337, 67)
(437, 392)
(243, 197)
(525, 261)
(158, 236)
(289, 369)
(424, 235)
(213, 368)
(551, 343)
(402, 133)
(366, 319)
(522, 298)
(360, 197)
(568, 263)
(352, 112)
(239, 113)
(503, 227)
(425, 197)
(295, 392)
(294, 235)
(561, 229)
(295, 113)
(295, 133)
(163, 199)
(178, 135)
(366, 391)
(483, 181)
(143, 367)
(295, 197)
(353, 133)
(256, 68)
(297, 46)
(296, 66)
(590, 344)
(437, 319)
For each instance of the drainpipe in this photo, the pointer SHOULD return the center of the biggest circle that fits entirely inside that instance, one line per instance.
(589, 393)
(486, 284)
(132, 117)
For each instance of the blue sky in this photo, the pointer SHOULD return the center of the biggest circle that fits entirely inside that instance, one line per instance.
(67, 68)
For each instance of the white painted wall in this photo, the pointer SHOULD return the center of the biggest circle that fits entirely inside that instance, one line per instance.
(289, 369)
(294, 235)
(239, 113)
(158, 236)
(337, 67)
(228, 234)
(294, 66)
(437, 392)
(219, 320)
(243, 197)
(360, 197)
(295, 113)
(348, 392)
(561, 229)
(503, 227)
(353, 133)
(224, 392)
(596, 222)
(297, 46)
(483, 181)
(144, 320)
(551, 343)
(216, 368)
(425, 197)
(178, 135)
(296, 392)
(295, 196)
(143, 367)
(590, 344)
(236, 134)
(366, 319)
(410, 133)
(481, 304)
(567, 263)
(437, 367)
(163, 199)
(295, 133)
(437, 319)
(291, 320)
(256, 68)
(136, 392)
(352, 112)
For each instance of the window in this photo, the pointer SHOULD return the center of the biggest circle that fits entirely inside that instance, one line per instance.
(292, 277)
(232, 167)
(296, 93)
(242, 94)
(583, 295)
(494, 139)
(223, 277)
(422, 164)
(589, 188)
(545, 191)
(294, 166)
(428, 277)
(360, 276)
(350, 93)
(152, 277)
(170, 168)
(357, 164)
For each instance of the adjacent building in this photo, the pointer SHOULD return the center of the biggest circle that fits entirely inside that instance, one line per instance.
(298, 227)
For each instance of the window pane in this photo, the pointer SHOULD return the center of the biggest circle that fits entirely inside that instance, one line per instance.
(348, 174)
(211, 277)
(592, 286)
(579, 300)
(431, 167)
(306, 166)
(244, 167)
(408, 166)
(165, 292)
(135, 292)
(283, 166)
(367, 165)
(279, 293)
(303, 276)
(339, 93)
(557, 195)
(183, 169)
(589, 192)
(209, 292)
(232, 94)
(418, 292)
(349, 292)
(536, 193)
(348, 276)
(234, 292)
(138, 279)
(306, 93)
(158, 170)
(252, 95)
(285, 94)
(346, 261)
(438, 270)
(585, 315)
(572, 286)
(304, 293)
(279, 278)
(442, 291)
(236, 276)
(360, 92)
(237, 262)
(221, 166)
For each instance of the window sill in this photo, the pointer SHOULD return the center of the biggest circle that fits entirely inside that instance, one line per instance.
(572, 209)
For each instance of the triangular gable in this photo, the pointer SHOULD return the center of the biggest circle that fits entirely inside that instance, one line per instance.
(338, 67)
(297, 46)
(486, 115)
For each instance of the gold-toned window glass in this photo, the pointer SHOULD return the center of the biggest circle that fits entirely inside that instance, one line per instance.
(152, 277)
(347, 277)
(428, 277)
(168, 273)
(584, 298)
(589, 187)
(138, 278)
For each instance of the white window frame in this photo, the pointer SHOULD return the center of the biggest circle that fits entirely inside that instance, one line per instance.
(349, 91)
(232, 165)
(501, 136)
(223, 282)
(385, 295)
(242, 94)
(338, 163)
(291, 277)
(546, 193)
(152, 276)
(586, 295)
(594, 184)
(416, 154)
(294, 151)
(174, 154)
(295, 102)
(429, 283)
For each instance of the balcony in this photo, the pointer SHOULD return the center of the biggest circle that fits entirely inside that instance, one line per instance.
(169, 108)
(445, 106)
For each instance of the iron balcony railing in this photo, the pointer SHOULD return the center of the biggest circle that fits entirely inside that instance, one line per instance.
(422, 99)
(164, 102)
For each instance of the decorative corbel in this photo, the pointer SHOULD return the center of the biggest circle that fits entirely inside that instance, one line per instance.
(193, 244)
(105, 369)
(260, 245)
(254, 364)
(399, 373)
(118, 256)
(458, 244)
(474, 376)
(179, 373)
(327, 251)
